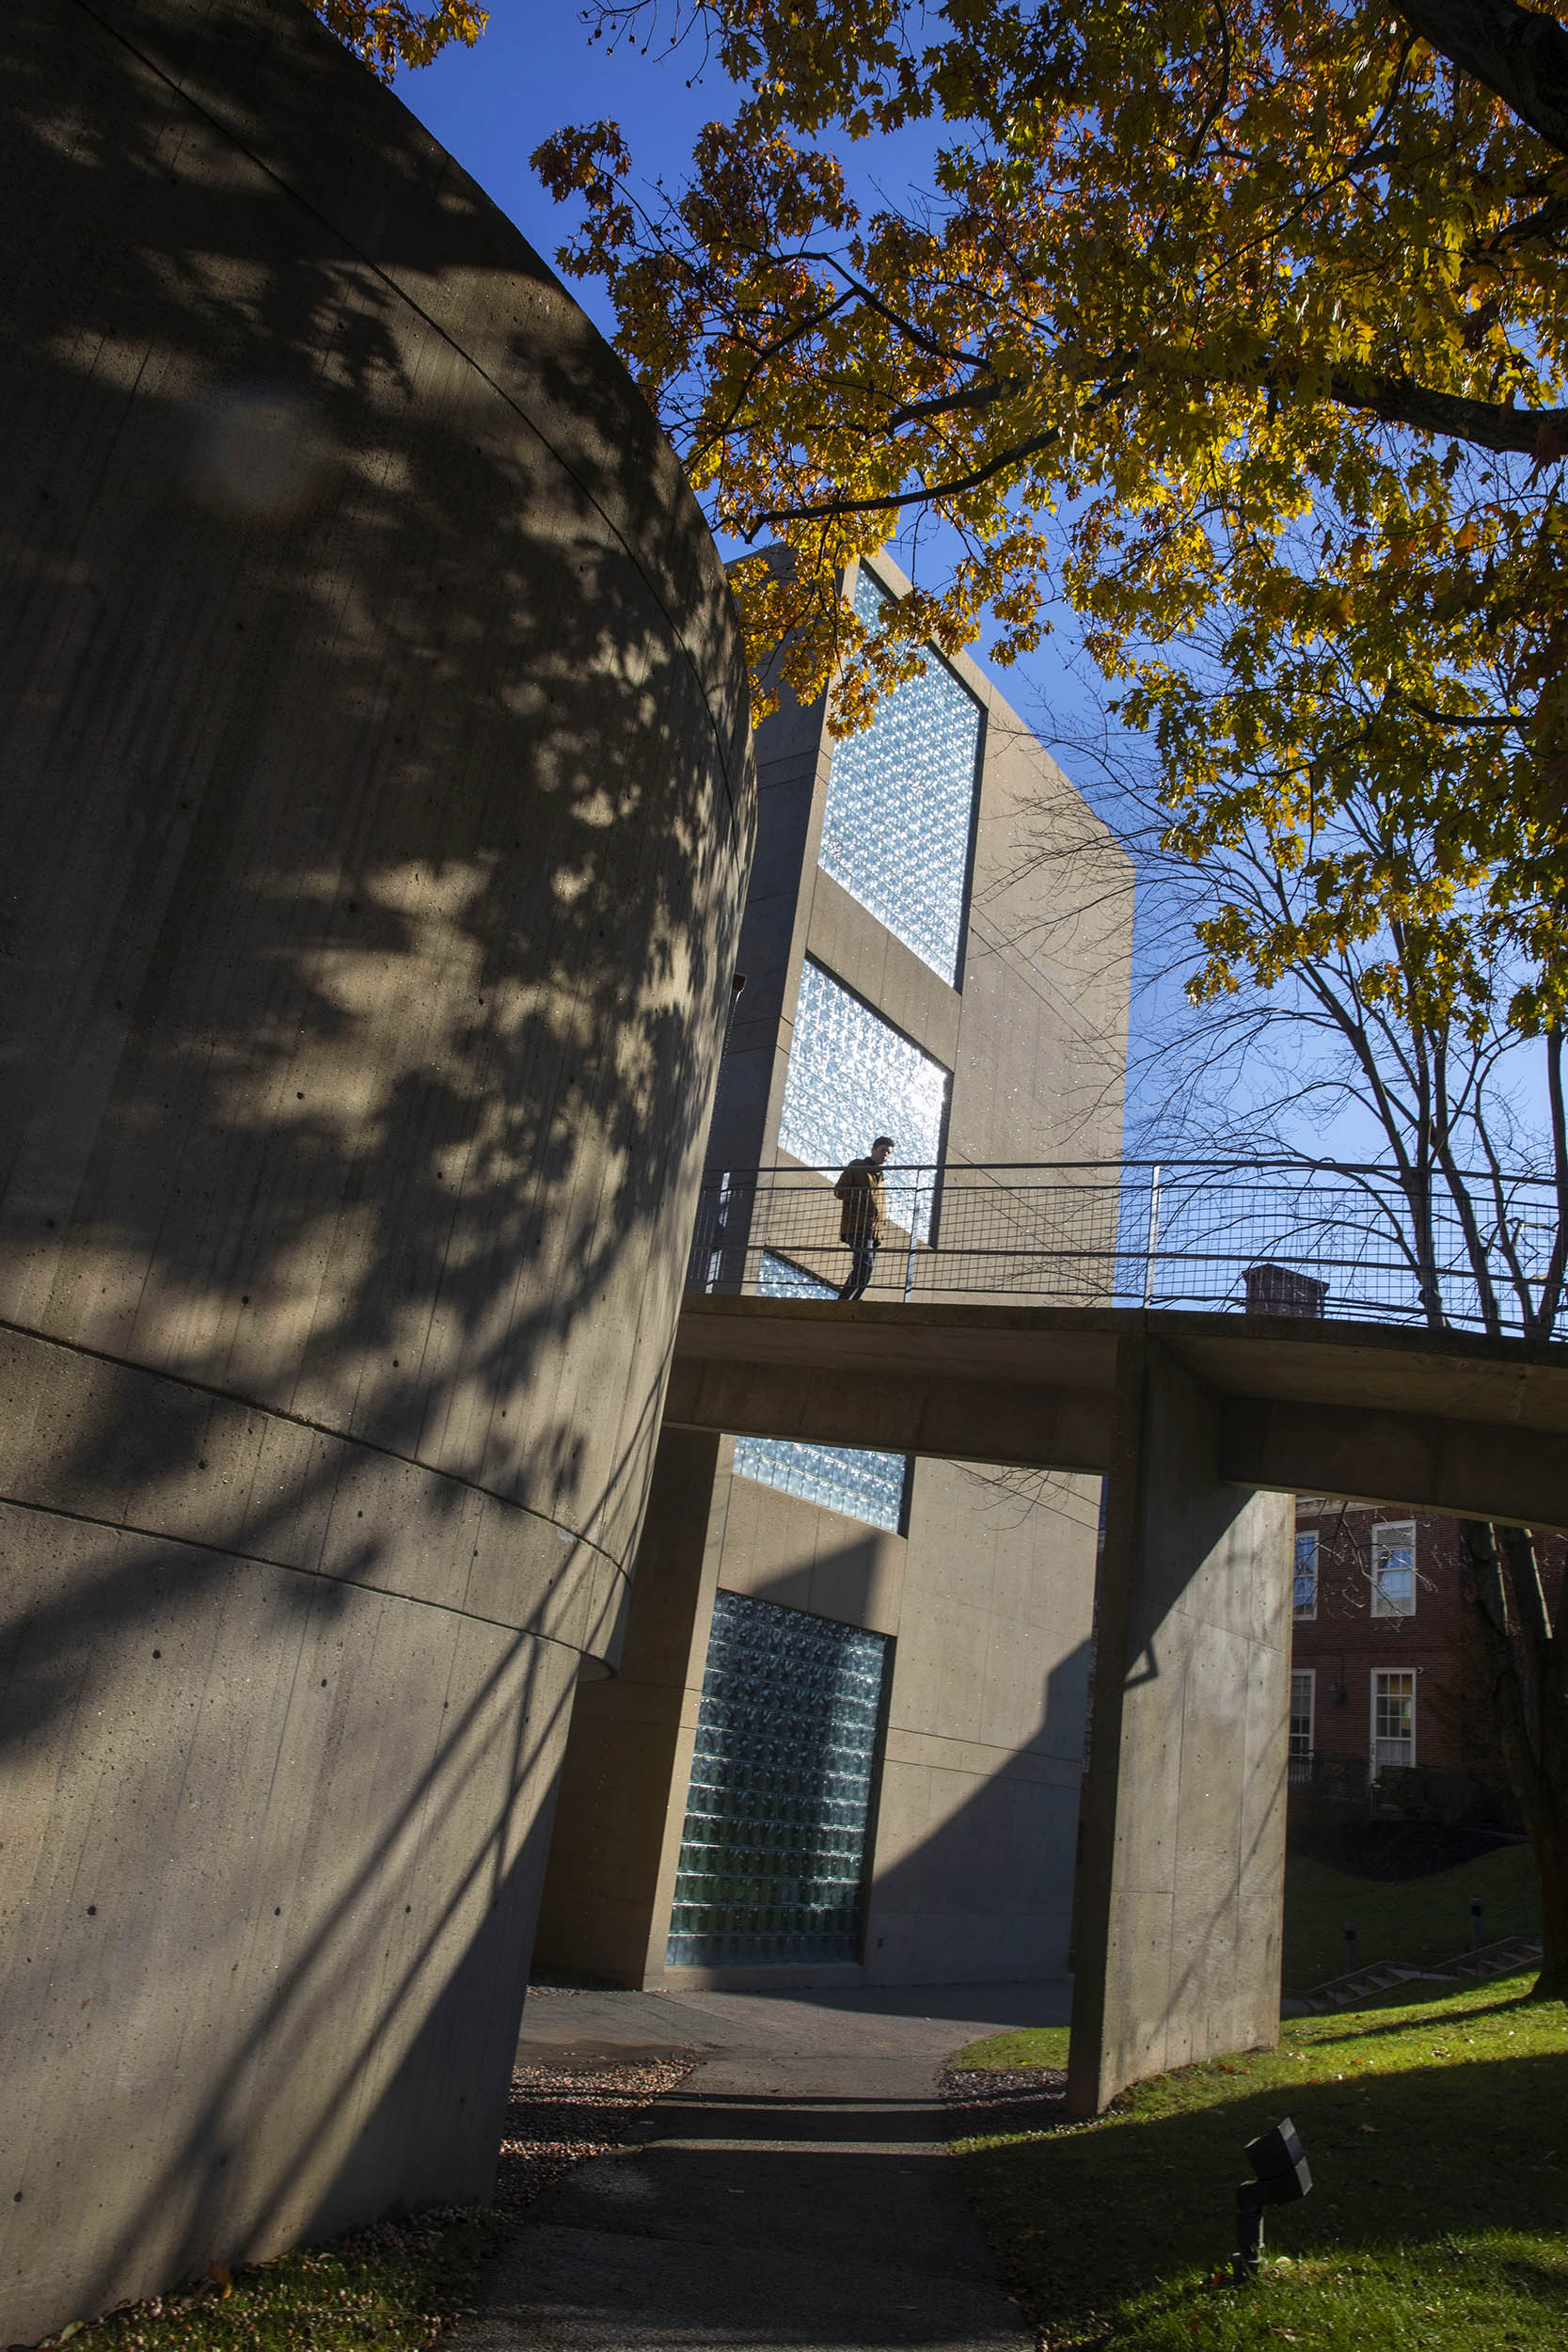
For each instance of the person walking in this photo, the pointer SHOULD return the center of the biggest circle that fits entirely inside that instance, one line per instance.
(862, 1219)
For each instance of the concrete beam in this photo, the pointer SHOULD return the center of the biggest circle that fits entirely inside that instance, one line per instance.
(1473, 1469)
(1430, 1421)
(956, 1420)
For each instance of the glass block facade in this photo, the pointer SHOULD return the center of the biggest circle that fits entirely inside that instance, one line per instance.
(900, 802)
(851, 1077)
(774, 1855)
(866, 1485)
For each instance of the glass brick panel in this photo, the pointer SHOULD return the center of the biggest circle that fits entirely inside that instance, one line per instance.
(896, 828)
(852, 1078)
(773, 1855)
(862, 1485)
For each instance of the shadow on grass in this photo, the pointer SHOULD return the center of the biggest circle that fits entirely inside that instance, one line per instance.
(1417, 1920)
(1437, 1996)
(1420, 2161)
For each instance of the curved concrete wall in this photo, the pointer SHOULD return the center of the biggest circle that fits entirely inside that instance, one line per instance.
(376, 804)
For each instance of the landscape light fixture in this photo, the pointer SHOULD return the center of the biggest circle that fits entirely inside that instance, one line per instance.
(1282, 2175)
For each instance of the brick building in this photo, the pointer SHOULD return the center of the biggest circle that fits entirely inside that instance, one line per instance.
(1388, 1686)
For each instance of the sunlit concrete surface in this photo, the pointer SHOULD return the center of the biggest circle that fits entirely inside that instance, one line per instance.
(377, 801)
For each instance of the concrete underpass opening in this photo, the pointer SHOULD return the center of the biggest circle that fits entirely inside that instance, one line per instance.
(1204, 1426)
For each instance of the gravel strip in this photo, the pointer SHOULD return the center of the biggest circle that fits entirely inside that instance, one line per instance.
(986, 2098)
(560, 2116)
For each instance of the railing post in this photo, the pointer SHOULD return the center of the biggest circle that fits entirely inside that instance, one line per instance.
(715, 1238)
(908, 1260)
(1153, 1241)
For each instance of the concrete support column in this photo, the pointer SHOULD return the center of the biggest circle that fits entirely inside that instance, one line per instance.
(621, 1806)
(1179, 1897)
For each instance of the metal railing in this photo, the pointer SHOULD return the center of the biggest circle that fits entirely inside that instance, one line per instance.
(1274, 1236)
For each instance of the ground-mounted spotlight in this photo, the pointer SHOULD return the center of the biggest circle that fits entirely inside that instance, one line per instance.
(1280, 2166)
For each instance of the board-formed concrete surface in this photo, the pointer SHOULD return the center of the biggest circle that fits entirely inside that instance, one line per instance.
(377, 799)
(1181, 1884)
(796, 2192)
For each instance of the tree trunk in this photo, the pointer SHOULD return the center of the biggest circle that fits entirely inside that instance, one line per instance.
(1551, 1859)
(1528, 1691)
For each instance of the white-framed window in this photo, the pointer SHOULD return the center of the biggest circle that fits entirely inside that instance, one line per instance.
(1394, 1570)
(1393, 1718)
(1303, 1709)
(1304, 1601)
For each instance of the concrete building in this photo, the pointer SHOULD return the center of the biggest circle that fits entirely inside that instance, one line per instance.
(846, 1736)
(378, 799)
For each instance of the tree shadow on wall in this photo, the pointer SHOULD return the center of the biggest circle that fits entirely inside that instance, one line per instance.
(376, 806)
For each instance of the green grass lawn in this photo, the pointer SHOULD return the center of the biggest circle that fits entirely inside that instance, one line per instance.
(1438, 2140)
(1420, 1919)
(388, 2289)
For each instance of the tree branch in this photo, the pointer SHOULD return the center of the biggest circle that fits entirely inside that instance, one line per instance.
(1521, 54)
(925, 496)
(1487, 423)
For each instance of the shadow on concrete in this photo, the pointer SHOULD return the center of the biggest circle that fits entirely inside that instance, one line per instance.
(770, 2217)
(372, 818)
(1002, 1852)
(412, 800)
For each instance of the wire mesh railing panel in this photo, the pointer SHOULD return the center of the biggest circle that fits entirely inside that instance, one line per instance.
(1276, 1237)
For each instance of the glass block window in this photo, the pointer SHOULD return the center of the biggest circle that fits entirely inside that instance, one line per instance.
(900, 800)
(852, 1078)
(865, 1486)
(1394, 1570)
(1304, 1596)
(773, 1855)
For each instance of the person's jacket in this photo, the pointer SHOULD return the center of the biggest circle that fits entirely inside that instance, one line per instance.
(864, 1216)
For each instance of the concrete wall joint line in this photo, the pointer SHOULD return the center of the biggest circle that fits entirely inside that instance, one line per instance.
(187, 98)
(286, 1567)
(299, 1420)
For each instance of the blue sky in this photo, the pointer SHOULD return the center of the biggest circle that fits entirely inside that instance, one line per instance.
(533, 72)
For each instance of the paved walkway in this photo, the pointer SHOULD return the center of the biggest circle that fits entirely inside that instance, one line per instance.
(794, 2195)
